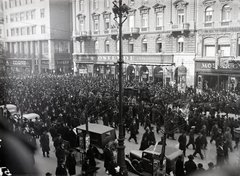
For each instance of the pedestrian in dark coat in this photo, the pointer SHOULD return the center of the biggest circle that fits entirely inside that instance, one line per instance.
(198, 143)
(145, 140)
(133, 132)
(60, 153)
(204, 136)
(191, 139)
(152, 139)
(44, 142)
(182, 142)
(71, 163)
(108, 154)
(90, 155)
(58, 141)
(190, 166)
(61, 169)
(179, 167)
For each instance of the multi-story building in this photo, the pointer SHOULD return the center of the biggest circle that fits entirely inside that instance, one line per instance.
(218, 44)
(2, 47)
(37, 35)
(158, 40)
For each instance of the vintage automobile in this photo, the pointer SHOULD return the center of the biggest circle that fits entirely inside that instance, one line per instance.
(144, 162)
(11, 108)
(100, 135)
(31, 116)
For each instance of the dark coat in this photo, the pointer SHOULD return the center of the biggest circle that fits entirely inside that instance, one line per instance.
(198, 143)
(108, 155)
(190, 167)
(182, 142)
(90, 155)
(145, 141)
(71, 164)
(60, 153)
(44, 141)
(61, 171)
(179, 168)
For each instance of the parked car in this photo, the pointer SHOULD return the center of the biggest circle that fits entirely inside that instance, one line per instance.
(99, 134)
(11, 108)
(32, 116)
(144, 162)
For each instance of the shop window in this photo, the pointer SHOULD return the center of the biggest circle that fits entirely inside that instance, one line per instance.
(131, 46)
(225, 50)
(96, 46)
(144, 45)
(159, 45)
(107, 46)
(209, 50)
(180, 45)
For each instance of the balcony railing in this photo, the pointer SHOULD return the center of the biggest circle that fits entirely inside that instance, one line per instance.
(208, 24)
(181, 27)
(159, 28)
(225, 23)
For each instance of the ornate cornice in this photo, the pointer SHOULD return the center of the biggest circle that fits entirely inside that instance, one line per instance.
(208, 2)
(180, 4)
(144, 9)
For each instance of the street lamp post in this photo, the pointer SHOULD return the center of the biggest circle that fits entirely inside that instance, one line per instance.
(120, 11)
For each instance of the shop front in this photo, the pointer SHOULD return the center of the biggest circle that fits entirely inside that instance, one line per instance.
(158, 75)
(223, 77)
(62, 66)
(18, 66)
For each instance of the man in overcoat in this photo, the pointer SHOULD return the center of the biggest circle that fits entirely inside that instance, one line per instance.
(44, 142)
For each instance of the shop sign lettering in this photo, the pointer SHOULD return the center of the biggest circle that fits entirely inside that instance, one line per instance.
(222, 66)
(62, 62)
(19, 62)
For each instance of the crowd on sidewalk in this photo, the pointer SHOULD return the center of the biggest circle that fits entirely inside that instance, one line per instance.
(64, 101)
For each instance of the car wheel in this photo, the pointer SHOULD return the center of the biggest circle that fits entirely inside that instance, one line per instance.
(136, 165)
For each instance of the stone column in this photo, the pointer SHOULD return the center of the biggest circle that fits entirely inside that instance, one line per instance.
(32, 55)
(39, 56)
(28, 49)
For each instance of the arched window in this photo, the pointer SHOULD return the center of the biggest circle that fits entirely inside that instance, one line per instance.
(144, 45)
(226, 13)
(131, 46)
(159, 45)
(208, 15)
(107, 46)
(82, 47)
(180, 44)
(96, 47)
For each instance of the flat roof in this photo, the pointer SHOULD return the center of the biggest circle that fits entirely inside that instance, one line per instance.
(96, 128)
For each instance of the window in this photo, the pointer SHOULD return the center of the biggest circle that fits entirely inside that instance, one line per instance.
(180, 44)
(28, 15)
(7, 32)
(106, 23)
(33, 14)
(43, 29)
(12, 32)
(82, 47)
(11, 17)
(159, 45)
(209, 15)
(23, 31)
(81, 5)
(131, 21)
(107, 46)
(6, 19)
(45, 47)
(28, 30)
(33, 29)
(209, 50)
(16, 17)
(21, 16)
(225, 49)
(159, 21)
(42, 13)
(106, 3)
(95, 4)
(96, 46)
(131, 46)
(226, 13)
(96, 25)
(17, 31)
(81, 23)
(180, 13)
(144, 45)
(144, 20)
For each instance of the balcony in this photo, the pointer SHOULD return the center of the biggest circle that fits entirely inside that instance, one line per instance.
(209, 24)
(159, 28)
(82, 35)
(225, 23)
(131, 32)
(179, 29)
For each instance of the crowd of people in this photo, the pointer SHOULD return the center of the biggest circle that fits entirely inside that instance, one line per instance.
(63, 102)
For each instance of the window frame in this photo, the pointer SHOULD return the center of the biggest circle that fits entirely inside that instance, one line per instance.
(226, 10)
(96, 46)
(208, 13)
(131, 46)
(144, 45)
(107, 46)
(42, 13)
(159, 45)
(180, 45)
(43, 29)
(145, 20)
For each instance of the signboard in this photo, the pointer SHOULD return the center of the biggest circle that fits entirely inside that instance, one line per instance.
(90, 68)
(63, 62)
(82, 70)
(223, 66)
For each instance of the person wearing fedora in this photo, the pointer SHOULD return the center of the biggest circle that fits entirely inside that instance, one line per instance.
(61, 169)
(190, 165)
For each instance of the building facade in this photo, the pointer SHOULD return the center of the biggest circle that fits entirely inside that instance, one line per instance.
(37, 35)
(218, 45)
(158, 40)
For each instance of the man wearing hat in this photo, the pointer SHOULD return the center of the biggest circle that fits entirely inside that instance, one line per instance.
(71, 163)
(199, 145)
(190, 165)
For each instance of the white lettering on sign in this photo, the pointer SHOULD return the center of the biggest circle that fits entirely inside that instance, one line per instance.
(19, 62)
(208, 65)
(62, 62)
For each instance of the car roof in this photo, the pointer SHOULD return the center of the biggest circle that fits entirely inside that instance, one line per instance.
(96, 128)
(170, 152)
(31, 116)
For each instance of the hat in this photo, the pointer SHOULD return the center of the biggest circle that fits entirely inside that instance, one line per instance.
(190, 157)
(210, 165)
